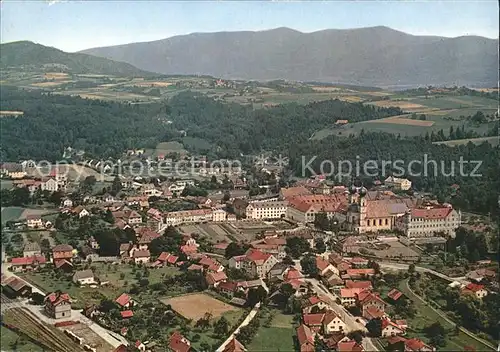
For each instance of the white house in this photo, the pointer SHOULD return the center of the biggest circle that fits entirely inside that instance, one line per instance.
(332, 323)
(34, 222)
(67, 203)
(84, 277)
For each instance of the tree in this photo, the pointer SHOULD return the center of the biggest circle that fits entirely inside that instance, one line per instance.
(37, 298)
(288, 260)
(116, 186)
(226, 197)
(234, 249)
(256, 295)
(374, 327)
(56, 197)
(320, 246)
(357, 336)
(45, 246)
(436, 334)
(321, 221)
(411, 269)
(308, 264)
(287, 290)
(297, 246)
(221, 327)
(107, 305)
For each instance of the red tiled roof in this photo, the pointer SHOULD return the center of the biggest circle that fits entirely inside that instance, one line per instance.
(164, 256)
(350, 292)
(358, 284)
(59, 263)
(432, 213)
(172, 259)
(387, 322)
(293, 274)
(360, 272)
(395, 339)
(222, 245)
(213, 278)
(127, 314)
(142, 253)
(179, 343)
(29, 260)
(313, 319)
(474, 287)
(366, 296)
(257, 256)
(228, 286)
(123, 300)
(394, 294)
(349, 346)
(234, 346)
(187, 249)
(321, 264)
(195, 267)
(305, 336)
(373, 312)
(57, 298)
(62, 248)
(415, 344)
(329, 317)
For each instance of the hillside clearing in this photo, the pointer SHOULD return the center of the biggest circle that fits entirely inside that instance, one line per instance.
(494, 141)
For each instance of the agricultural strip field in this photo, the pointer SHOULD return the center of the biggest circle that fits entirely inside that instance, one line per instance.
(194, 306)
(401, 120)
(51, 337)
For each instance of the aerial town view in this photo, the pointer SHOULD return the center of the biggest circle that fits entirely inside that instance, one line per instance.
(249, 176)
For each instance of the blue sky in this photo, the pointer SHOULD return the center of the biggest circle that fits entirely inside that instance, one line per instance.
(78, 25)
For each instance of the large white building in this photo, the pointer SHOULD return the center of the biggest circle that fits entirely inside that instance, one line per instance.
(402, 184)
(429, 219)
(174, 218)
(266, 210)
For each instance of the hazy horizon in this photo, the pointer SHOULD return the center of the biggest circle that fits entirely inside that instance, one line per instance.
(73, 26)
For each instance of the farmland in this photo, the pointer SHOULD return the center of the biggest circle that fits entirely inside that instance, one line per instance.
(16, 342)
(195, 306)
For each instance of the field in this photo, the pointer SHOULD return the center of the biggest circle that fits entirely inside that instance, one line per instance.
(6, 184)
(426, 316)
(110, 273)
(403, 105)
(245, 231)
(194, 306)
(401, 120)
(279, 336)
(169, 147)
(11, 213)
(492, 140)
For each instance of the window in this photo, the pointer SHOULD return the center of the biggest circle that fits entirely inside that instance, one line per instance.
(368, 222)
(387, 221)
(380, 221)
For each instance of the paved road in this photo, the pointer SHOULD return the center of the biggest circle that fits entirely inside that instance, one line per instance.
(110, 337)
(245, 322)
(343, 313)
(397, 266)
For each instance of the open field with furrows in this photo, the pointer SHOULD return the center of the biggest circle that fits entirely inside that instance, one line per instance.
(402, 104)
(195, 306)
(49, 336)
(90, 337)
(492, 140)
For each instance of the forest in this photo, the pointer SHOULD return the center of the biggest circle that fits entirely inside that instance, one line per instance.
(107, 129)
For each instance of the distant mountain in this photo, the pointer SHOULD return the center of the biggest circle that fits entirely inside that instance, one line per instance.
(368, 56)
(24, 53)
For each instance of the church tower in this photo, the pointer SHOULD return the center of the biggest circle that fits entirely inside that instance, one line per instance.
(362, 208)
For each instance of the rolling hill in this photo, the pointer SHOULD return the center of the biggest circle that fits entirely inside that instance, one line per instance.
(377, 56)
(26, 54)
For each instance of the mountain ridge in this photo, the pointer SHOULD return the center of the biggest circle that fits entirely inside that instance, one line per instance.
(26, 53)
(378, 56)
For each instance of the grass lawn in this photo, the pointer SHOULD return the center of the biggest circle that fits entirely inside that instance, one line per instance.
(48, 282)
(426, 316)
(278, 337)
(11, 213)
(9, 339)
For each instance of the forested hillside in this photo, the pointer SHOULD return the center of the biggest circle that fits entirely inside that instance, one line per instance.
(52, 122)
(239, 129)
